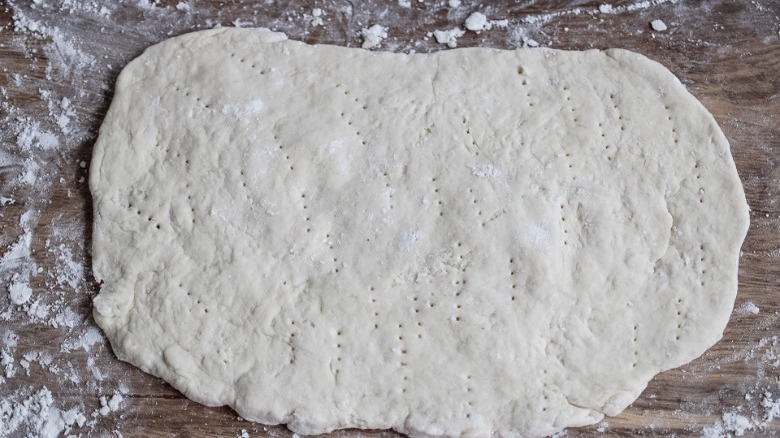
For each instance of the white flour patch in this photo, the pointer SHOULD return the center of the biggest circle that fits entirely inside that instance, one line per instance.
(32, 136)
(335, 145)
(736, 423)
(9, 339)
(476, 22)
(37, 415)
(18, 254)
(94, 370)
(7, 363)
(19, 292)
(409, 239)
(373, 36)
(731, 424)
(242, 111)
(485, 171)
(448, 37)
(747, 308)
(84, 342)
(658, 25)
(771, 407)
(65, 58)
(316, 17)
(109, 405)
(540, 237)
(67, 272)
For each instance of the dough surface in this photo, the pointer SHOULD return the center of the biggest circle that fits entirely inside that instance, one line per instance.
(473, 242)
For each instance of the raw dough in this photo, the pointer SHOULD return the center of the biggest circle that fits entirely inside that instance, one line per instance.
(473, 242)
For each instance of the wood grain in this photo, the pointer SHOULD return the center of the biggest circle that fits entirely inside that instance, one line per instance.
(726, 53)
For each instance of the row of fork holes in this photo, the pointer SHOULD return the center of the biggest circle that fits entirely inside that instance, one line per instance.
(253, 65)
(524, 83)
(140, 213)
(348, 118)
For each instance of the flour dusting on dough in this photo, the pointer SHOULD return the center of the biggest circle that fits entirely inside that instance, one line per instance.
(243, 111)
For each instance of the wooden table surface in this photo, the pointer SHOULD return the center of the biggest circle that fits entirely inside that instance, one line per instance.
(726, 52)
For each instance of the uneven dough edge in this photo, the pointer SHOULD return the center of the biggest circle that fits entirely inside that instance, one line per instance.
(733, 196)
(110, 299)
(108, 302)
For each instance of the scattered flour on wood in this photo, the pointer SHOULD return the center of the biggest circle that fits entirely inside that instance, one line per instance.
(601, 9)
(85, 341)
(43, 263)
(36, 415)
(734, 423)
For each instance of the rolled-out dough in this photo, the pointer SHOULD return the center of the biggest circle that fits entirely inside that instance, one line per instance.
(473, 242)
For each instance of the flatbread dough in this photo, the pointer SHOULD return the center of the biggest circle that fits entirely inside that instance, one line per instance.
(472, 242)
